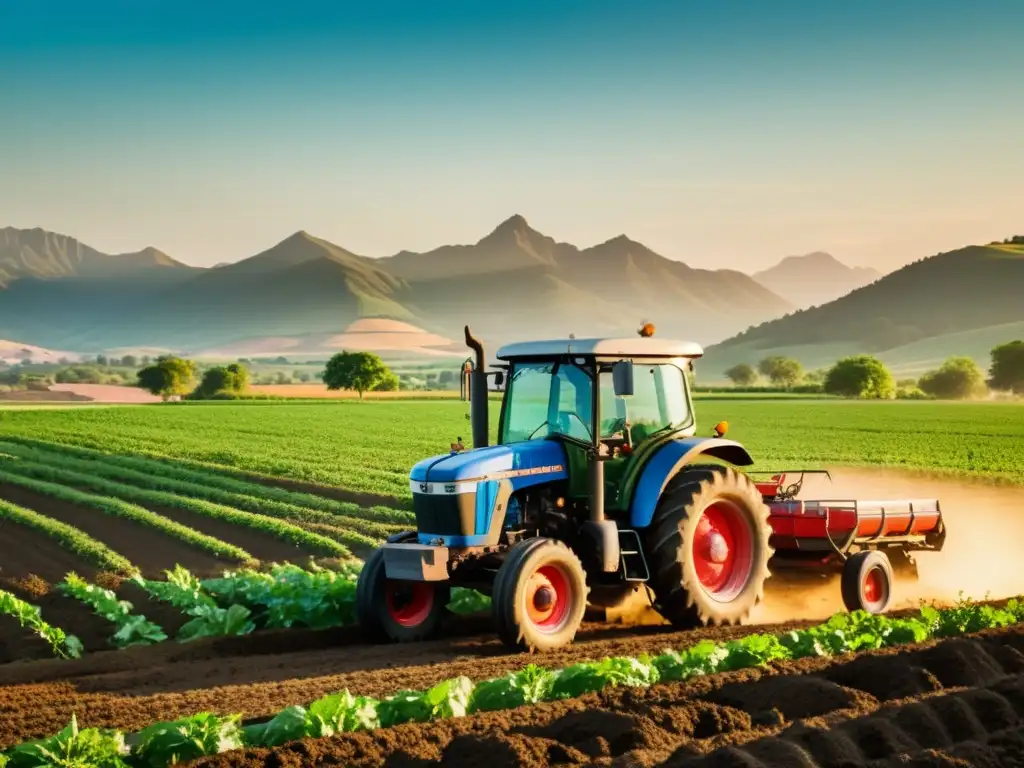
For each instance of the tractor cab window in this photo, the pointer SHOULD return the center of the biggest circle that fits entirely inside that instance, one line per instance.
(659, 401)
(541, 401)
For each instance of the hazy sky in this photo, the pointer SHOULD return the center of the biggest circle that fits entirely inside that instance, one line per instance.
(717, 133)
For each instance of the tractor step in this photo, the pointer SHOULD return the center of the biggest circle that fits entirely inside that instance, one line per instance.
(634, 565)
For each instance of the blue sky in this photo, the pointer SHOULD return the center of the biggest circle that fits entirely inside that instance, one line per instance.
(720, 134)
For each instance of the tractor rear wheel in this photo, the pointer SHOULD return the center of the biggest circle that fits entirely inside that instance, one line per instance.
(709, 547)
(539, 596)
(399, 611)
(866, 582)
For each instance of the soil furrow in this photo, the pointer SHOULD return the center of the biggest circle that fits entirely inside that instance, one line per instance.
(156, 550)
(893, 706)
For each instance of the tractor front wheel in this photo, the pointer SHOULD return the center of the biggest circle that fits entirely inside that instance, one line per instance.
(709, 548)
(539, 596)
(399, 611)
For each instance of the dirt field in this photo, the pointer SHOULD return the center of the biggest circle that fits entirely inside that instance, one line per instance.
(957, 700)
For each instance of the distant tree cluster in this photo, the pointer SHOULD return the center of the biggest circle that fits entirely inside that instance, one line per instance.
(169, 377)
(1007, 371)
(359, 371)
(867, 377)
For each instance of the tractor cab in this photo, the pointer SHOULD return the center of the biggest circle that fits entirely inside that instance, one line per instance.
(604, 400)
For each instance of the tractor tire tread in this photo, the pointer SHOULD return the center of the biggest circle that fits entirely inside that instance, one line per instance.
(677, 595)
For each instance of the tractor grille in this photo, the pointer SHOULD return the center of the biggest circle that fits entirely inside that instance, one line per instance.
(445, 514)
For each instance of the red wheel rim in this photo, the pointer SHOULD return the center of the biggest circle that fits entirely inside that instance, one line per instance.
(723, 550)
(548, 597)
(409, 602)
(873, 588)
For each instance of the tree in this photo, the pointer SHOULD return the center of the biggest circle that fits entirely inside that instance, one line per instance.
(361, 371)
(860, 376)
(959, 378)
(447, 378)
(782, 371)
(1007, 371)
(231, 379)
(742, 375)
(129, 361)
(169, 376)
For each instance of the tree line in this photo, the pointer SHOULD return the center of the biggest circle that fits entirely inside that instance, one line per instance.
(176, 377)
(865, 376)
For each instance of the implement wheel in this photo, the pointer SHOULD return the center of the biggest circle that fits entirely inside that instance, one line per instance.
(709, 549)
(539, 596)
(399, 611)
(867, 582)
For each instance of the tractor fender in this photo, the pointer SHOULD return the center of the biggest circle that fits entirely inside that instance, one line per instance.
(668, 461)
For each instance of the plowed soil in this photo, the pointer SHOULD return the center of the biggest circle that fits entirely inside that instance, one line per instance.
(156, 551)
(25, 552)
(957, 703)
(259, 675)
(262, 546)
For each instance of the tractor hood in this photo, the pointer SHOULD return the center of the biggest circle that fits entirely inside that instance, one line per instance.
(525, 463)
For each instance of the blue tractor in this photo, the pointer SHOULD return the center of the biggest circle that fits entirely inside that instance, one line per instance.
(597, 486)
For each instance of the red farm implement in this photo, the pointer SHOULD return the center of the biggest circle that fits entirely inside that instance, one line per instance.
(869, 543)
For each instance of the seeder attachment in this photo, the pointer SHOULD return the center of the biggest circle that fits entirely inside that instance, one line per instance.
(870, 542)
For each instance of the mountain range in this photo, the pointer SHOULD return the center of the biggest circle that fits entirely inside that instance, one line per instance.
(305, 296)
(514, 283)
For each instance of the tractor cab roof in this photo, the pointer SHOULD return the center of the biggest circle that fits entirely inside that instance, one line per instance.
(637, 347)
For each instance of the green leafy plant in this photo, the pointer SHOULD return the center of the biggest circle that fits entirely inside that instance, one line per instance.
(72, 748)
(449, 698)
(131, 629)
(337, 713)
(187, 739)
(30, 617)
(290, 596)
(528, 686)
(185, 592)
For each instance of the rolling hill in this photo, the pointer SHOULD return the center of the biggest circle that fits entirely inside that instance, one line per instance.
(514, 283)
(814, 279)
(960, 302)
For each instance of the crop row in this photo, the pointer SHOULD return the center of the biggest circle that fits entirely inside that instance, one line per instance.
(236, 603)
(70, 538)
(280, 529)
(119, 508)
(350, 530)
(207, 482)
(206, 733)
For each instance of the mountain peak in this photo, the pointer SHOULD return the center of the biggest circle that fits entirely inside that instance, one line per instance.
(814, 278)
(515, 221)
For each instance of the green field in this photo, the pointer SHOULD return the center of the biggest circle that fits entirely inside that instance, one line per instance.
(369, 447)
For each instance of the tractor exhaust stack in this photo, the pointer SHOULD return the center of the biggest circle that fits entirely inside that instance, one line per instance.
(478, 393)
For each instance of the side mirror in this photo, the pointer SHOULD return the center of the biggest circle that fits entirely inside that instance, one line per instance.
(622, 378)
(499, 378)
(721, 428)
